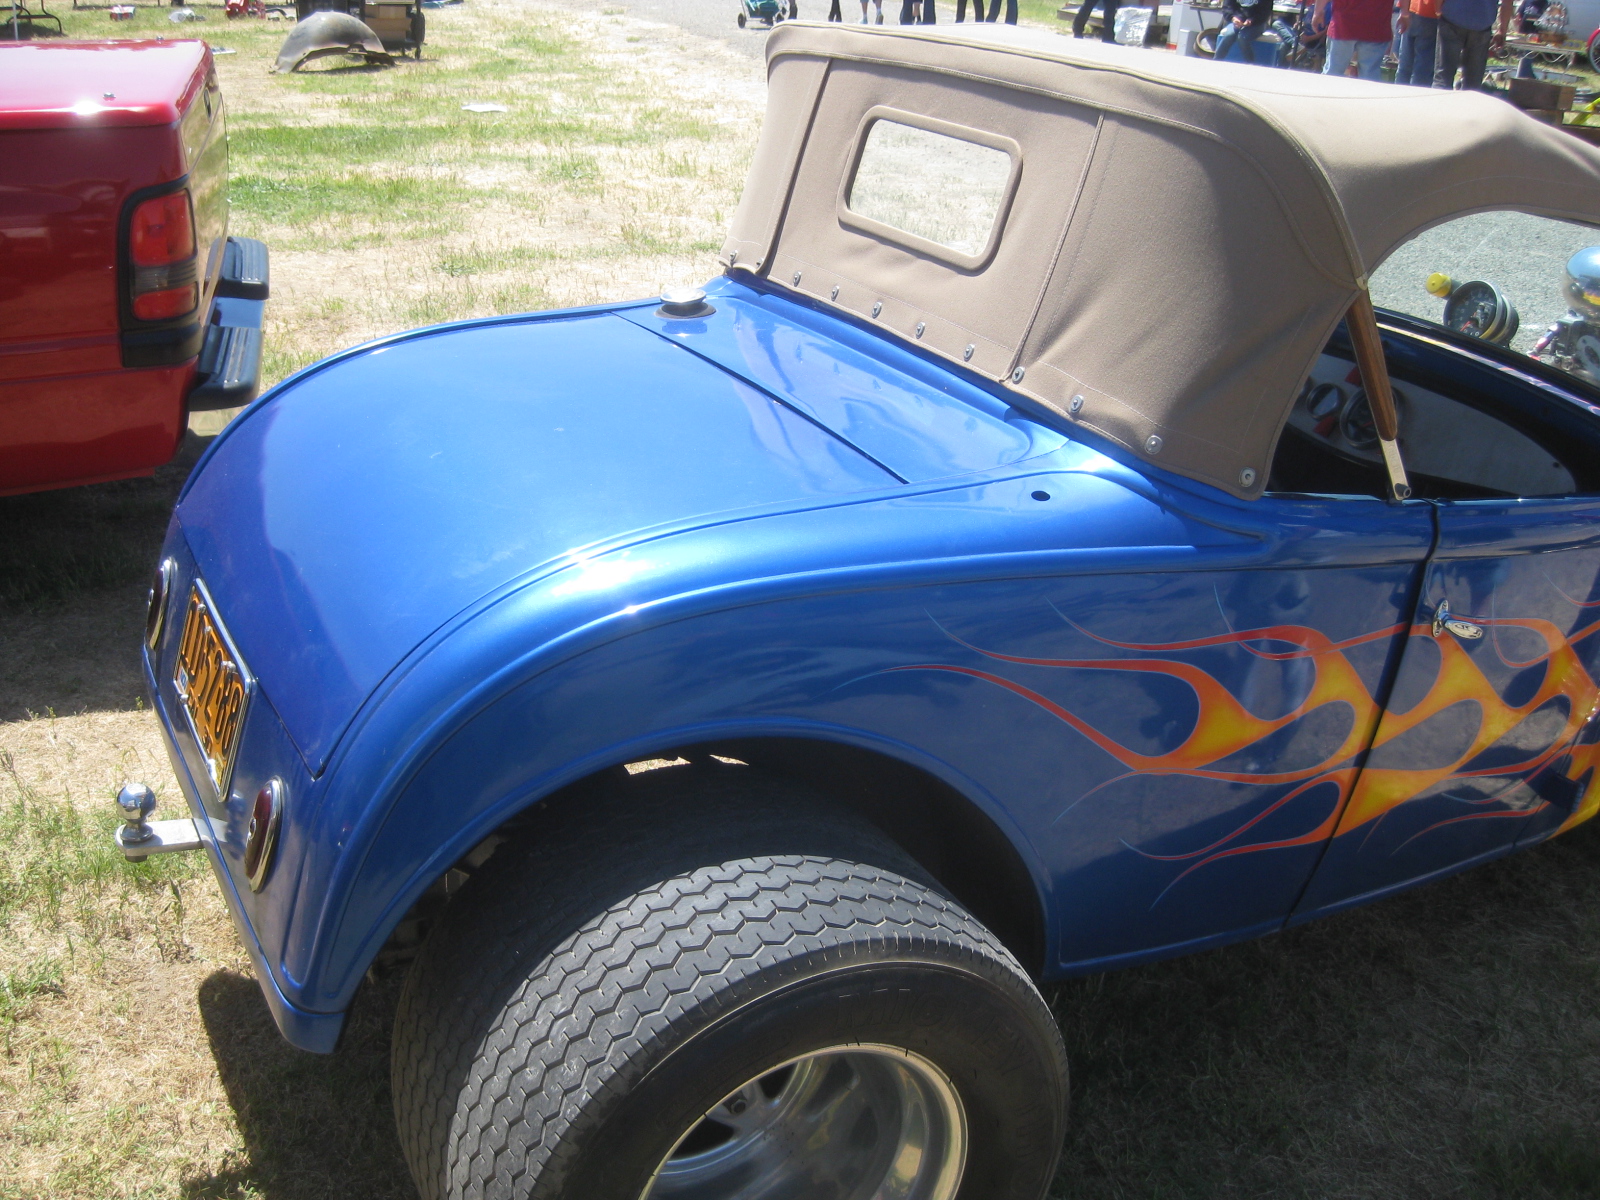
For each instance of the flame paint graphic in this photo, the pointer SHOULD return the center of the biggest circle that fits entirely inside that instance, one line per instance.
(1224, 726)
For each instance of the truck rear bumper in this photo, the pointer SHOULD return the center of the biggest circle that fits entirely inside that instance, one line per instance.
(229, 367)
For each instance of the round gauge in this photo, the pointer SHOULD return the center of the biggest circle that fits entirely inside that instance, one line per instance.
(1356, 423)
(1324, 400)
(1481, 310)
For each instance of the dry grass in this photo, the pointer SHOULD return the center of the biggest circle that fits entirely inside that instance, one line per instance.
(1445, 1044)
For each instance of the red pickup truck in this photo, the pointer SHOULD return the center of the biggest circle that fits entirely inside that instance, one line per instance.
(124, 304)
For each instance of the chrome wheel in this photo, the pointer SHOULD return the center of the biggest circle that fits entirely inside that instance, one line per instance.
(849, 1123)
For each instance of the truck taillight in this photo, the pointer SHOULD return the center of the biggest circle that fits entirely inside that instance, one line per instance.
(161, 250)
(161, 232)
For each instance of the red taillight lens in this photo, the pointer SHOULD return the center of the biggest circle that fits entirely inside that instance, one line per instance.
(261, 839)
(170, 302)
(161, 252)
(161, 232)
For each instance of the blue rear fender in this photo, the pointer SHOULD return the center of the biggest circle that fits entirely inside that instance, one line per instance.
(806, 624)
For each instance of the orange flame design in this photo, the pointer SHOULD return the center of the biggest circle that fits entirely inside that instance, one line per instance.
(1224, 727)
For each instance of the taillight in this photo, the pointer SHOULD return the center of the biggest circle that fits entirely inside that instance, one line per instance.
(161, 231)
(261, 838)
(156, 615)
(161, 250)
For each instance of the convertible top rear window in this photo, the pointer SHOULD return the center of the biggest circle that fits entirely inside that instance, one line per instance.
(934, 186)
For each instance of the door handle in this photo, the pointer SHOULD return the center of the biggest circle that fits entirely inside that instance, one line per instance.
(1442, 621)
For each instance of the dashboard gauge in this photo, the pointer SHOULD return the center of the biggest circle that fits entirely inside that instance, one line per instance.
(1324, 400)
(1323, 405)
(1481, 310)
(1356, 423)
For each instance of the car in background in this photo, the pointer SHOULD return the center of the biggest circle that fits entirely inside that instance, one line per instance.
(735, 706)
(124, 304)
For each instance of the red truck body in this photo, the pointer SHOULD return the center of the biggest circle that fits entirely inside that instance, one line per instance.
(97, 372)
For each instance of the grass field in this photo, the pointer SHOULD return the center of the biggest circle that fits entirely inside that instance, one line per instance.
(1443, 1044)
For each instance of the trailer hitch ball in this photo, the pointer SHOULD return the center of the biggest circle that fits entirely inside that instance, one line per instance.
(136, 802)
(138, 837)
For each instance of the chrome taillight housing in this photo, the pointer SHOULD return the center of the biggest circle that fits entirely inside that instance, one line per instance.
(261, 839)
(155, 618)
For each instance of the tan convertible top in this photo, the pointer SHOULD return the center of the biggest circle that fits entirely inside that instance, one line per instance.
(1178, 239)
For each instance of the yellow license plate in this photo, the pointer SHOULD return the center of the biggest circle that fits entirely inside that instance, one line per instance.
(213, 688)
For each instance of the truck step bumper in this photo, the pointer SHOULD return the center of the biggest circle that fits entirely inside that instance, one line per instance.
(229, 369)
(244, 270)
(231, 361)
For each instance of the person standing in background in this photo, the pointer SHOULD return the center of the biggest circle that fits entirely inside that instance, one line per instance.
(1108, 15)
(1242, 23)
(1465, 39)
(1419, 36)
(1359, 29)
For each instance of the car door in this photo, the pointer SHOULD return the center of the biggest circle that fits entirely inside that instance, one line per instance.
(1490, 721)
(1489, 735)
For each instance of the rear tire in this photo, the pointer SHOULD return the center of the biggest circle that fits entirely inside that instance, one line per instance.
(617, 1006)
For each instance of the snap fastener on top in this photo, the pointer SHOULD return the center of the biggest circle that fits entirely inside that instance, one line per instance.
(920, 328)
(834, 295)
(1152, 444)
(797, 279)
(733, 257)
(1075, 404)
(1016, 376)
(1247, 477)
(877, 307)
(966, 355)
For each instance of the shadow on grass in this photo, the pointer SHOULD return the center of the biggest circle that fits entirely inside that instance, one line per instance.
(1441, 1043)
(315, 1127)
(59, 544)
(75, 565)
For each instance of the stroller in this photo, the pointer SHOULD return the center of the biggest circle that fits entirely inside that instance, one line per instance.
(770, 11)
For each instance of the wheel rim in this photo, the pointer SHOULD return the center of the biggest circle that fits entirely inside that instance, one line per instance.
(858, 1122)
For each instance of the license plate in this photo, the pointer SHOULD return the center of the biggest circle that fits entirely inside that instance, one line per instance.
(213, 687)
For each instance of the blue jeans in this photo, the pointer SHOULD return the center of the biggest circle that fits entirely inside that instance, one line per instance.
(1368, 56)
(1417, 45)
(1245, 35)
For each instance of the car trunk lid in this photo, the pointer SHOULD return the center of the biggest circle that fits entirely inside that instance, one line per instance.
(377, 496)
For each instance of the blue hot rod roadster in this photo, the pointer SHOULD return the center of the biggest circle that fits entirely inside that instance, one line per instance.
(736, 704)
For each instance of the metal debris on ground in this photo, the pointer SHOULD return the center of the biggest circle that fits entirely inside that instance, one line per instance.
(325, 33)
